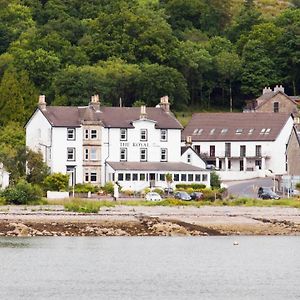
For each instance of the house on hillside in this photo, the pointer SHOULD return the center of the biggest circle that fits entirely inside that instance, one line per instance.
(244, 145)
(275, 101)
(133, 146)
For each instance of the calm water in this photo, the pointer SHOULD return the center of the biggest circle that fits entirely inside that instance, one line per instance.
(150, 268)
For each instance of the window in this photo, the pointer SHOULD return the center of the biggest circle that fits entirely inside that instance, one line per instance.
(212, 131)
(143, 154)
(188, 158)
(143, 135)
(163, 154)
(190, 177)
(120, 176)
(134, 177)
(258, 150)
(86, 177)
(123, 154)
(197, 177)
(263, 131)
(239, 131)
(123, 134)
(258, 164)
(251, 130)
(71, 134)
(93, 155)
(227, 149)
(212, 151)
(229, 164)
(93, 134)
(197, 149)
(142, 177)
(204, 177)
(163, 135)
(162, 177)
(93, 176)
(86, 134)
(224, 131)
(183, 177)
(128, 177)
(268, 131)
(86, 154)
(176, 177)
(70, 153)
(276, 107)
(241, 165)
(243, 151)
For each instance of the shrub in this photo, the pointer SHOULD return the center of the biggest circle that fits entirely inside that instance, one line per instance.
(83, 206)
(298, 186)
(56, 182)
(86, 187)
(159, 191)
(108, 188)
(193, 186)
(128, 192)
(215, 181)
(22, 193)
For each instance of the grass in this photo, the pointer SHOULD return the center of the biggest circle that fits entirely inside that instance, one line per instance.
(85, 206)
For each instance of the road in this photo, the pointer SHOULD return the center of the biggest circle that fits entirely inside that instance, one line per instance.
(247, 188)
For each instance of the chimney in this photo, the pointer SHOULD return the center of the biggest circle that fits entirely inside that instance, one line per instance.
(164, 103)
(143, 114)
(42, 102)
(265, 90)
(95, 102)
(278, 89)
(188, 141)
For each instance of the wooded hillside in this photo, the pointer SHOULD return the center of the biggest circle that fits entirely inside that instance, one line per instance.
(195, 51)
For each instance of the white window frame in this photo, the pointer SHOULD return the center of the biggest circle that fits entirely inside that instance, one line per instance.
(123, 154)
(86, 134)
(189, 158)
(71, 154)
(93, 154)
(163, 154)
(144, 135)
(123, 134)
(143, 154)
(93, 134)
(164, 135)
(93, 174)
(86, 154)
(71, 134)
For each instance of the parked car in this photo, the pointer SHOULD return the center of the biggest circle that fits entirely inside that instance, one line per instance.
(153, 196)
(196, 195)
(182, 196)
(169, 190)
(267, 193)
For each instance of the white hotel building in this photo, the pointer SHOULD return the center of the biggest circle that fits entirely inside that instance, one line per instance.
(134, 146)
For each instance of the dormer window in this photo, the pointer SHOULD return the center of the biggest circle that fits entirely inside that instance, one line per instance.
(212, 131)
(263, 131)
(239, 131)
(268, 130)
(224, 131)
(251, 130)
(197, 131)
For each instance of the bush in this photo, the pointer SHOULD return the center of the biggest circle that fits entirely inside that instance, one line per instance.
(159, 191)
(56, 182)
(298, 186)
(86, 187)
(83, 206)
(108, 188)
(194, 186)
(22, 193)
(215, 181)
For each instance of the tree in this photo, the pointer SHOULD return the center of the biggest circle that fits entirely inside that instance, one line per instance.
(169, 180)
(229, 67)
(215, 181)
(37, 170)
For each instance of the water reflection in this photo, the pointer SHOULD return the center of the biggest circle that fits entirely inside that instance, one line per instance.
(14, 243)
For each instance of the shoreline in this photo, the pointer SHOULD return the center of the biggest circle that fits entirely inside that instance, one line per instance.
(149, 221)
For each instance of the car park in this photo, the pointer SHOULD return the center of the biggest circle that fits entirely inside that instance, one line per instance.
(182, 196)
(153, 196)
(196, 195)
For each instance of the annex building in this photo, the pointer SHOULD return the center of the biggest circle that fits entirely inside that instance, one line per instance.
(133, 146)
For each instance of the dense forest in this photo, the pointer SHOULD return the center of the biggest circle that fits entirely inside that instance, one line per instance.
(199, 52)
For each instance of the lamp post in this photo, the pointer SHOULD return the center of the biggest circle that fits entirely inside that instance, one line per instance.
(274, 186)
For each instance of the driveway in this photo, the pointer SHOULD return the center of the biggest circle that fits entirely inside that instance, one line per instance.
(247, 188)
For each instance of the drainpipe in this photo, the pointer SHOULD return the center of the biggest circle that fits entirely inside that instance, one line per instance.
(105, 163)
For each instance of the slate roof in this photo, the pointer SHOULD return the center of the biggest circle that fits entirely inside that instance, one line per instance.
(112, 117)
(154, 166)
(253, 126)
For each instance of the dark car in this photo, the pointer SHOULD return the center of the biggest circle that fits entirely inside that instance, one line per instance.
(267, 193)
(196, 195)
(182, 196)
(169, 190)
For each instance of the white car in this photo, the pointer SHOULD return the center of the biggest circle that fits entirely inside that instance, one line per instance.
(153, 196)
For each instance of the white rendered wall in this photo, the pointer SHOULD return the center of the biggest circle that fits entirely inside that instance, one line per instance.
(195, 159)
